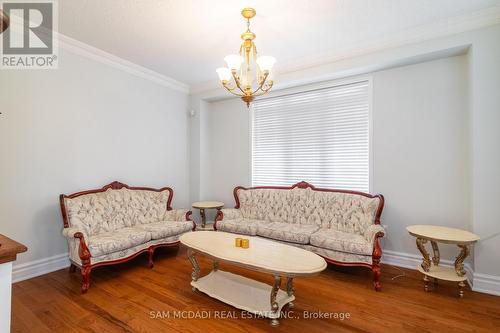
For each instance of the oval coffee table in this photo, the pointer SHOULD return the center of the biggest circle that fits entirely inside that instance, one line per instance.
(263, 255)
(438, 234)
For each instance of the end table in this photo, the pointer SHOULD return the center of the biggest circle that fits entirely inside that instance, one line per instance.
(437, 234)
(202, 205)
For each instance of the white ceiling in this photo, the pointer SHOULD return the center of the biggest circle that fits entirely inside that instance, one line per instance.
(188, 39)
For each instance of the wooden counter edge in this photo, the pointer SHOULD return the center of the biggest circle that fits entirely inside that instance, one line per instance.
(9, 249)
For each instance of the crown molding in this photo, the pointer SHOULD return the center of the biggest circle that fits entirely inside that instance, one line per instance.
(109, 59)
(439, 29)
(442, 28)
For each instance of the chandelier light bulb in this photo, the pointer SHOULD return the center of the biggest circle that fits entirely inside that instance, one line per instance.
(266, 63)
(224, 74)
(234, 61)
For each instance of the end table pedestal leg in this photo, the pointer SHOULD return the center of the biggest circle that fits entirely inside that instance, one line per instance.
(461, 286)
(426, 283)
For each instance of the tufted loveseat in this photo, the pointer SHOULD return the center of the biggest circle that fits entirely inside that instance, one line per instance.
(341, 226)
(117, 223)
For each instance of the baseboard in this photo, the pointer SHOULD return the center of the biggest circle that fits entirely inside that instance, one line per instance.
(484, 283)
(34, 268)
(409, 260)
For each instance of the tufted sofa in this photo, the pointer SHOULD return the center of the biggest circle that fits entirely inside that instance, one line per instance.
(341, 226)
(117, 223)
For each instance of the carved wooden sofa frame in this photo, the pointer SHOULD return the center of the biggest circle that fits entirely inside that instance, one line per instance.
(83, 251)
(377, 250)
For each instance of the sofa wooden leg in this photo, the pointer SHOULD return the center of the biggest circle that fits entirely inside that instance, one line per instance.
(376, 276)
(151, 252)
(85, 278)
(72, 268)
(377, 254)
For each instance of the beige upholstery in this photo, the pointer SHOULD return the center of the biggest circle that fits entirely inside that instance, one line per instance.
(165, 229)
(239, 226)
(341, 241)
(113, 241)
(231, 213)
(115, 209)
(293, 233)
(339, 226)
(114, 223)
(132, 250)
(339, 211)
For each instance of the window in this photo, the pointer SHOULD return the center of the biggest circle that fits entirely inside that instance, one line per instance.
(319, 136)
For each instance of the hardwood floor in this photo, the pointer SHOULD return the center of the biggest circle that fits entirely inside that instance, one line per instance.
(125, 298)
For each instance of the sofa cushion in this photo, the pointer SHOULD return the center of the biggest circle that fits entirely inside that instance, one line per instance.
(294, 233)
(341, 241)
(128, 252)
(166, 228)
(118, 240)
(239, 226)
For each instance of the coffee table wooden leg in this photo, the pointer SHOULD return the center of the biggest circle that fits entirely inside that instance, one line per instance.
(274, 304)
(196, 268)
(289, 290)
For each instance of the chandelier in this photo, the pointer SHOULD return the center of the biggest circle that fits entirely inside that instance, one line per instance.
(246, 75)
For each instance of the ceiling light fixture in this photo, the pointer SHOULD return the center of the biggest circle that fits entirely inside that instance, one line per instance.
(244, 67)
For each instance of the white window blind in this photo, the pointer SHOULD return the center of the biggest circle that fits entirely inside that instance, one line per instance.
(319, 136)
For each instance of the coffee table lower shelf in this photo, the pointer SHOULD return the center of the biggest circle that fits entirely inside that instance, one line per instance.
(242, 293)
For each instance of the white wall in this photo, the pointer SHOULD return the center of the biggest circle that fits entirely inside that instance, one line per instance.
(219, 146)
(421, 148)
(227, 139)
(80, 127)
(485, 121)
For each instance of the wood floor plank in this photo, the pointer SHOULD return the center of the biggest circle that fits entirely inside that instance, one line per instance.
(129, 297)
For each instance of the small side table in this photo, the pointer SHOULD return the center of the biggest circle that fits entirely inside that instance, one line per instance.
(463, 239)
(202, 205)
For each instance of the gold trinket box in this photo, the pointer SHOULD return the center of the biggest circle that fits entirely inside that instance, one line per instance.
(245, 243)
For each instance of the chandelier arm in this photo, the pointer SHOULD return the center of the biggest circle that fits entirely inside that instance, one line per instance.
(262, 83)
(257, 90)
(235, 93)
(228, 87)
(231, 89)
(237, 81)
(265, 90)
